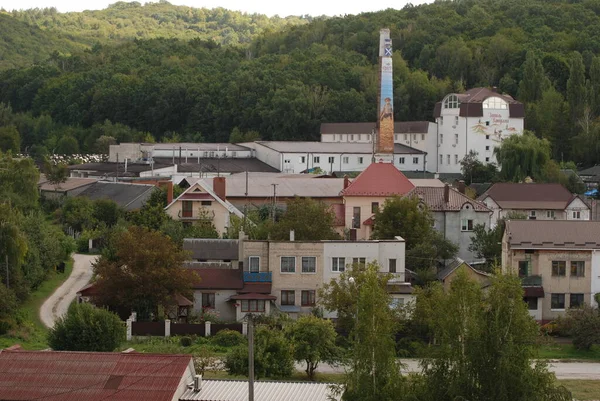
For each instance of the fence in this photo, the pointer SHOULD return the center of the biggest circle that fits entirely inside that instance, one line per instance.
(167, 328)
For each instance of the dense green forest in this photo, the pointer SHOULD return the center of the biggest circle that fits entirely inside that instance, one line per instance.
(198, 74)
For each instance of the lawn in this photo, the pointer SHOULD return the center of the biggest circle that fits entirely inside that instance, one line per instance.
(568, 351)
(172, 345)
(583, 390)
(32, 333)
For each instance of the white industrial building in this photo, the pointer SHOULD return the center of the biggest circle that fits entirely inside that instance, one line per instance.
(185, 152)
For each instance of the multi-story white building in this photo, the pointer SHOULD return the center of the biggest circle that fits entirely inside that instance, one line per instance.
(479, 119)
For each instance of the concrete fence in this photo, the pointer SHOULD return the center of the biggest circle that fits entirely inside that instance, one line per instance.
(167, 328)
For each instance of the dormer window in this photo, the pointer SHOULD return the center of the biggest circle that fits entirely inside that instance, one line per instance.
(451, 102)
(495, 103)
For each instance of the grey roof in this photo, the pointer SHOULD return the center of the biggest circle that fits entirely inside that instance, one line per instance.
(70, 184)
(455, 264)
(552, 234)
(128, 196)
(203, 146)
(331, 147)
(237, 390)
(212, 249)
(400, 127)
(224, 165)
(509, 195)
(592, 171)
(110, 168)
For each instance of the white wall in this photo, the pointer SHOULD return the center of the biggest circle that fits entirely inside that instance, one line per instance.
(578, 205)
(595, 272)
(537, 313)
(225, 309)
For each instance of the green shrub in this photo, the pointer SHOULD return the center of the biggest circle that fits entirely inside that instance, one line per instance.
(185, 341)
(228, 338)
(5, 326)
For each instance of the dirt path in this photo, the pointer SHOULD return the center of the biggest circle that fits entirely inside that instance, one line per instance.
(57, 304)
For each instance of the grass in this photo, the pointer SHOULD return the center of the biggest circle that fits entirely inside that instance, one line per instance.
(296, 376)
(568, 351)
(171, 345)
(31, 333)
(584, 390)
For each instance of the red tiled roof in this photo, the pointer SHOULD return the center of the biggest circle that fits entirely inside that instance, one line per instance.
(218, 279)
(264, 288)
(253, 295)
(379, 179)
(369, 221)
(90, 376)
(433, 197)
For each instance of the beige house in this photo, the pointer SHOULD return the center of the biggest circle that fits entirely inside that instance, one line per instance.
(200, 202)
(558, 261)
(449, 273)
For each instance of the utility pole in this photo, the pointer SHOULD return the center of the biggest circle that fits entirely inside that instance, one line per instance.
(250, 357)
(274, 201)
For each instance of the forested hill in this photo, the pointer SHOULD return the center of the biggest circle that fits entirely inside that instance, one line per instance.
(289, 79)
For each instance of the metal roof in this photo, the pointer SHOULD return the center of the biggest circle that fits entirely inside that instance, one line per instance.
(529, 196)
(400, 127)
(127, 195)
(331, 147)
(70, 184)
(553, 234)
(90, 376)
(213, 165)
(202, 146)
(237, 390)
(212, 249)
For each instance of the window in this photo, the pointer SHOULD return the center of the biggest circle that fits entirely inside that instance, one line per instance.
(288, 297)
(495, 103)
(415, 160)
(288, 264)
(456, 123)
(487, 137)
(374, 207)
(557, 301)
(205, 154)
(466, 225)
(359, 137)
(186, 208)
(253, 305)
(208, 300)
(287, 161)
(392, 265)
(396, 303)
(559, 268)
(422, 137)
(441, 120)
(448, 159)
(455, 159)
(359, 261)
(575, 300)
(307, 297)
(316, 159)
(356, 217)
(401, 160)
(456, 137)
(577, 215)
(233, 154)
(532, 303)
(487, 159)
(523, 268)
(414, 137)
(331, 159)
(405, 137)
(532, 215)
(441, 139)
(487, 147)
(212, 154)
(206, 203)
(451, 102)
(309, 264)
(360, 160)
(254, 264)
(302, 159)
(396, 138)
(351, 137)
(578, 268)
(550, 214)
(346, 159)
(338, 264)
(441, 159)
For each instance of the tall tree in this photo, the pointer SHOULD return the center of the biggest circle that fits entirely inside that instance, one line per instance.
(534, 80)
(576, 88)
(10, 140)
(522, 156)
(552, 122)
(311, 221)
(594, 89)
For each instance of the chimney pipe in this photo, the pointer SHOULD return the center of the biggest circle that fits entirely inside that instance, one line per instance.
(292, 235)
(219, 186)
(461, 186)
(346, 181)
(197, 383)
(169, 192)
(446, 193)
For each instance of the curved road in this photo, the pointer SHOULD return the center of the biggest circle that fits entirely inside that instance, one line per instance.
(57, 304)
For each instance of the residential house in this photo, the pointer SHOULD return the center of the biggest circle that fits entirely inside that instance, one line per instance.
(449, 273)
(590, 176)
(455, 215)
(129, 196)
(558, 260)
(203, 202)
(110, 376)
(535, 201)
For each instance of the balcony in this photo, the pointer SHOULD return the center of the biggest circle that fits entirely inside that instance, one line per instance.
(531, 281)
(395, 277)
(257, 277)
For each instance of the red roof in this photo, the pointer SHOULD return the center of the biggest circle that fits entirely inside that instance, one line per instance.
(254, 296)
(90, 376)
(218, 279)
(379, 179)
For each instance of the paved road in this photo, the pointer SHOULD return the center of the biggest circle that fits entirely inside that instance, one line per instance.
(57, 304)
(562, 370)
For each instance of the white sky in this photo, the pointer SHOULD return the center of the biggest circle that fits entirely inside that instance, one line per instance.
(269, 7)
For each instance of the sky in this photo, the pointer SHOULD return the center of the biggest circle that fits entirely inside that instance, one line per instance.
(269, 7)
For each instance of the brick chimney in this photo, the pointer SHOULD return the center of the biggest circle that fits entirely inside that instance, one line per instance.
(461, 186)
(219, 187)
(446, 193)
(346, 181)
(169, 192)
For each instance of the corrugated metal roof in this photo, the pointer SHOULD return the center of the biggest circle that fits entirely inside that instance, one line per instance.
(90, 376)
(331, 147)
(70, 184)
(211, 248)
(237, 390)
(126, 195)
(540, 234)
(400, 127)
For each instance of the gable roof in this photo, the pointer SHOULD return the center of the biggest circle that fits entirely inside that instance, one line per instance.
(90, 376)
(218, 279)
(127, 195)
(455, 264)
(207, 187)
(211, 248)
(433, 197)
(70, 184)
(552, 234)
(379, 179)
(510, 195)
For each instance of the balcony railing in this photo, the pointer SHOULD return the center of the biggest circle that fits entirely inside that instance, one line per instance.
(531, 281)
(396, 277)
(257, 277)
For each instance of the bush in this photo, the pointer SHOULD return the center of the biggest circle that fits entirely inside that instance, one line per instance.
(228, 338)
(87, 328)
(583, 324)
(185, 341)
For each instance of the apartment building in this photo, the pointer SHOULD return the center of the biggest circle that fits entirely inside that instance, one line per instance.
(557, 260)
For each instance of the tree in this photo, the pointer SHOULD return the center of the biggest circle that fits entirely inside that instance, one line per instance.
(10, 140)
(77, 213)
(576, 91)
(145, 274)
(583, 324)
(19, 178)
(107, 211)
(485, 344)
(56, 174)
(311, 221)
(486, 243)
(103, 143)
(522, 156)
(474, 170)
(594, 90)
(534, 80)
(67, 145)
(314, 342)
(8, 308)
(87, 328)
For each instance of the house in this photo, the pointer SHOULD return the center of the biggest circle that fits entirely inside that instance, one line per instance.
(590, 176)
(93, 376)
(71, 187)
(558, 261)
(204, 202)
(368, 192)
(449, 273)
(127, 195)
(535, 201)
(264, 390)
(455, 215)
